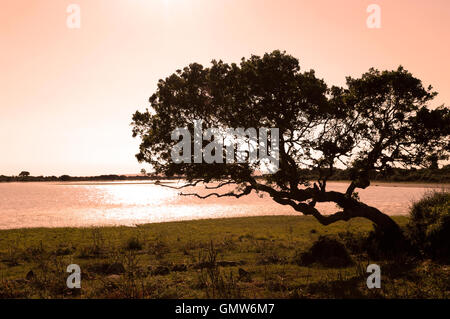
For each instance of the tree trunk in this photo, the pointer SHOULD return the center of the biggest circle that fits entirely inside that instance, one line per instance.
(383, 222)
(351, 209)
(376, 216)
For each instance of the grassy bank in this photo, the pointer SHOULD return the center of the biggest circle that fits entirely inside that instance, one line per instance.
(255, 257)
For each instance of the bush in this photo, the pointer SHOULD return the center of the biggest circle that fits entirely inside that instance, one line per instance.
(327, 252)
(382, 245)
(133, 243)
(429, 225)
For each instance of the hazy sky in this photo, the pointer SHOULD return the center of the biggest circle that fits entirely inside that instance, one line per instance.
(67, 95)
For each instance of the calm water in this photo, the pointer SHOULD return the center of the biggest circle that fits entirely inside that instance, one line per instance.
(131, 203)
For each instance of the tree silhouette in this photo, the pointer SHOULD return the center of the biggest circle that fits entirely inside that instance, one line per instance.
(24, 174)
(378, 121)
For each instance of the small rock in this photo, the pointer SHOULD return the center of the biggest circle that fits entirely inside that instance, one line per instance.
(30, 275)
(116, 269)
(161, 270)
(63, 251)
(244, 275)
(113, 277)
(180, 267)
(227, 263)
(204, 264)
(112, 282)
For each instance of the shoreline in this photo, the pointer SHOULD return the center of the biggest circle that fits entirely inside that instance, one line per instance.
(153, 181)
(186, 222)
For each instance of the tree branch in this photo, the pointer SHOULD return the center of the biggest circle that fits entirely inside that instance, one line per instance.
(247, 190)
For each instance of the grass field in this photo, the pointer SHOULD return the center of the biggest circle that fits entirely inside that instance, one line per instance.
(255, 257)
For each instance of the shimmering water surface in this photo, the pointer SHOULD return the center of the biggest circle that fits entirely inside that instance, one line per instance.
(131, 203)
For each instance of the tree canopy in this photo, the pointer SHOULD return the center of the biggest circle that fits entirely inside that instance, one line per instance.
(24, 174)
(376, 122)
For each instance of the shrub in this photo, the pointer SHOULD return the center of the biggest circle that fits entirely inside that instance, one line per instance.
(159, 247)
(382, 245)
(327, 252)
(355, 243)
(429, 225)
(133, 243)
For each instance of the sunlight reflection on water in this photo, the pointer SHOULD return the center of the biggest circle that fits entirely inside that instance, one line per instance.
(131, 203)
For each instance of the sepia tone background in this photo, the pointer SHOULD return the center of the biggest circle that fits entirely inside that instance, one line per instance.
(67, 95)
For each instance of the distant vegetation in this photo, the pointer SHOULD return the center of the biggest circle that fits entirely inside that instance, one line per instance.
(24, 174)
(67, 178)
(425, 175)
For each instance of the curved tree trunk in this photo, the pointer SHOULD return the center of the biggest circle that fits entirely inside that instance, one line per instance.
(351, 209)
(382, 221)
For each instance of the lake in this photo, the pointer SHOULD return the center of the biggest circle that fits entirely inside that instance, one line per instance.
(132, 203)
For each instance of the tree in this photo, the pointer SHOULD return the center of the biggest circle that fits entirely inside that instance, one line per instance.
(24, 174)
(143, 172)
(378, 121)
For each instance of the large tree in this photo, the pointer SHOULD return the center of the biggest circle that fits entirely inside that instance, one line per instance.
(378, 121)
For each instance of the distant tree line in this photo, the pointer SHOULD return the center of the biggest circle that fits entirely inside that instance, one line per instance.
(426, 175)
(67, 178)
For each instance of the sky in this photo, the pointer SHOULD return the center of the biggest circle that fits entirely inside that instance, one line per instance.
(67, 94)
